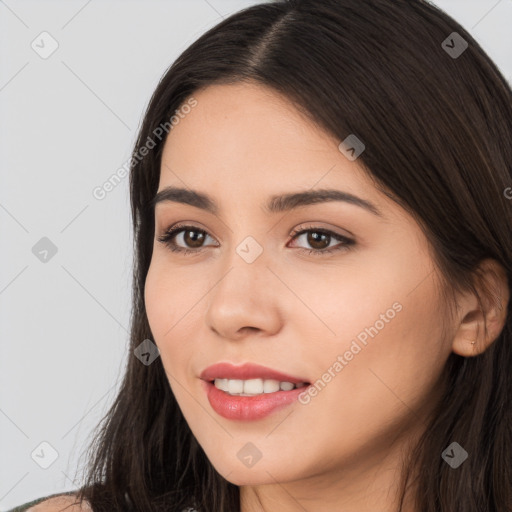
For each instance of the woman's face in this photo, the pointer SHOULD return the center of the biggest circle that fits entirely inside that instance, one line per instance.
(360, 321)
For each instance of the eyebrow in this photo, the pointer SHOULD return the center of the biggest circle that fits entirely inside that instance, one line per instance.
(276, 203)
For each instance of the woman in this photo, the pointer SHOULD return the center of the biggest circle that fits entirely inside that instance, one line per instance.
(323, 261)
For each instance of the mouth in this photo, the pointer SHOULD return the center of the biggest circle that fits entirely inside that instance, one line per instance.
(255, 387)
(254, 373)
(249, 391)
(247, 406)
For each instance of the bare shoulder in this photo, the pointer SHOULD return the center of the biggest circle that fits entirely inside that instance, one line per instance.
(68, 503)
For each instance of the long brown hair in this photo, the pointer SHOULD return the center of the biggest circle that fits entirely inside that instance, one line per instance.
(438, 134)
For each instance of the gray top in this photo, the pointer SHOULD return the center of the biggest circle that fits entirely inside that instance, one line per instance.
(26, 506)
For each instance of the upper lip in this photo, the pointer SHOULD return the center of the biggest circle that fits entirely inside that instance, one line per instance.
(246, 371)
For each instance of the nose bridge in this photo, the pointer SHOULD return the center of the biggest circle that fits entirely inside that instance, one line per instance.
(245, 267)
(248, 243)
(244, 295)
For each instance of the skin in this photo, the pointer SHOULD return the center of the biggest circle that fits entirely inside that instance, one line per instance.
(60, 503)
(297, 312)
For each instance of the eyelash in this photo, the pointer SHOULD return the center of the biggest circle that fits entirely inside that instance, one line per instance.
(167, 239)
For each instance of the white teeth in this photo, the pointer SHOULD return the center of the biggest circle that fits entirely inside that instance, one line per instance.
(235, 386)
(270, 386)
(251, 387)
(221, 384)
(286, 386)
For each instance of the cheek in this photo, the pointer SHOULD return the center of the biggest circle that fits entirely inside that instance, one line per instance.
(173, 320)
(382, 318)
(175, 312)
(155, 299)
(391, 357)
(383, 382)
(164, 302)
(168, 295)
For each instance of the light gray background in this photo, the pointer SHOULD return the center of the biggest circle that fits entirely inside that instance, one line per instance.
(68, 123)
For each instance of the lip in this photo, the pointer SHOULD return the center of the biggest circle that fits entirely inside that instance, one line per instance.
(246, 371)
(248, 408)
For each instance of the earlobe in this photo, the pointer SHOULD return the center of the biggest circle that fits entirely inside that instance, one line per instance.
(481, 324)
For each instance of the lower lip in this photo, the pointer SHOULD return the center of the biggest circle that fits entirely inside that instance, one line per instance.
(249, 407)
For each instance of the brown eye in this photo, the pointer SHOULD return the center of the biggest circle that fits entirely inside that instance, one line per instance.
(184, 239)
(190, 239)
(320, 240)
(193, 238)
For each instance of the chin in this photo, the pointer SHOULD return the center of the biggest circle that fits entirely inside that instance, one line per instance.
(246, 477)
(259, 474)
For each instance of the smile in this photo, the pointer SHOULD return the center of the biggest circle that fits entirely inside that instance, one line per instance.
(254, 387)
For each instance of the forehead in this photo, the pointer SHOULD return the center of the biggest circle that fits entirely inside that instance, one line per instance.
(249, 140)
(247, 119)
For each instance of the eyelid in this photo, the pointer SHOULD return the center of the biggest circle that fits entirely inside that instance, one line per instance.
(310, 225)
(169, 235)
(344, 243)
(316, 226)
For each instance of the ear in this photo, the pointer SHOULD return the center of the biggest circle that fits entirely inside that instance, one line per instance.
(480, 325)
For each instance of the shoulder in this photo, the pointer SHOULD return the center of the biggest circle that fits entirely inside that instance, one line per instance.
(64, 503)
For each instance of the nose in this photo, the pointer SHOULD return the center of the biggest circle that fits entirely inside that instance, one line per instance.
(245, 299)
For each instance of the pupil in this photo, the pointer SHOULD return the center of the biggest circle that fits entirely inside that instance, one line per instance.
(312, 240)
(315, 239)
(196, 241)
